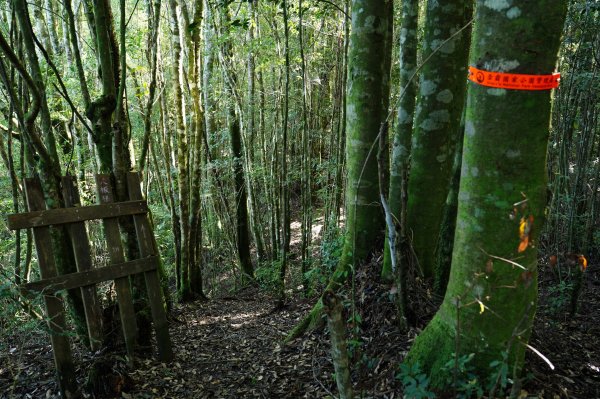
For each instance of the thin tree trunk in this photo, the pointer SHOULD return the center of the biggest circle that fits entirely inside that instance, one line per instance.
(235, 135)
(367, 85)
(182, 151)
(403, 130)
(307, 217)
(195, 77)
(284, 186)
(255, 218)
(339, 349)
(153, 11)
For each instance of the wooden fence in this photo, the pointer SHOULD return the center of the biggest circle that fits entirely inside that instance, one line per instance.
(73, 217)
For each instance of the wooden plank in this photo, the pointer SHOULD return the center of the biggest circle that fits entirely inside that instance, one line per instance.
(89, 277)
(83, 260)
(116, 255)
(54, 310)
(155, 295)
(53, 217)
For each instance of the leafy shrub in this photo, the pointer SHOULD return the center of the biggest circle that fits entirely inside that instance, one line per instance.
(498, 380)
(331, 250)
(462, 377)
(559, 296)
(415, 382)
(267, 275)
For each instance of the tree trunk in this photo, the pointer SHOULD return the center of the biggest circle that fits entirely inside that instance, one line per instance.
(489, 303)
(182, 151)
(50, 12)
(77, 54)
(367, 82)
(437, 121)
(403, 129)
(445, 241)
(339, 348)
(235, 135)
(284, 189)
(153, 13)
(197, 169)
(307, 217)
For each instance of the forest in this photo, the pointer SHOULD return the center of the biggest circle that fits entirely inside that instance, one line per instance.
(299, 199)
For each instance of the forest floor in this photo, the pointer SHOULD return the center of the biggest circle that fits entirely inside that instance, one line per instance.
(232, 347)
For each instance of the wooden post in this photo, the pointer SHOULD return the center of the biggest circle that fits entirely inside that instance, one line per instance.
(155, 297)
(54, 309)
(339, 351)
(83, 260)
(116, 255)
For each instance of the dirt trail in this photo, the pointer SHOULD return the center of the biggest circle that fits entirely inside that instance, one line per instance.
(232, 348)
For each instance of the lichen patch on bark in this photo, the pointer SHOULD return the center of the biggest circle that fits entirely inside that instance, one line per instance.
(497, 5)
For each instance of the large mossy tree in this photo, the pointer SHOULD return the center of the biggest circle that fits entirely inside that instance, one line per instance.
(490, 303)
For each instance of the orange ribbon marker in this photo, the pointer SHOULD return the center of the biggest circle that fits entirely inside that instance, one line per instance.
(514, 81)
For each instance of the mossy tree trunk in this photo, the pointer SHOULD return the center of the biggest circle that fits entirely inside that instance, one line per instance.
(153, 12)
(445, 241)
(489, 304)
(404, 123)
(437, 119)
(368, 75)
(367, 85)
(185, 290)
(194, 77)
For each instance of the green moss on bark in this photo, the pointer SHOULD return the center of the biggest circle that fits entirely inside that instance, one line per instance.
(504, 158)
(404, 122)
(366, 110)
(432, 353)
(437, 122)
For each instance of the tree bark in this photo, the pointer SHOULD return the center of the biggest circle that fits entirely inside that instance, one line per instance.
(367, 83)
(506, 135)
(339, 348)
(235, 137)
(436, 122)
(185, 293)
(153, 12)
(403, 130)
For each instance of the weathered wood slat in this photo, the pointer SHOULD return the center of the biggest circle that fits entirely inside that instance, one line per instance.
(54, 308)
(76, 214)
(155, 297)
(86, 278)
(73, 216)
(116, 255)
(83, 260)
